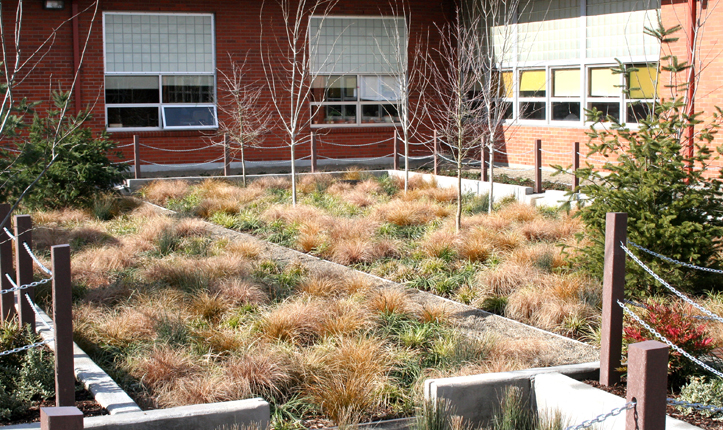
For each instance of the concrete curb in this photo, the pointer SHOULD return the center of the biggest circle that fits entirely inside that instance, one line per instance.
(475, 397)
(579, 402)
(106, 392)
(209, 416)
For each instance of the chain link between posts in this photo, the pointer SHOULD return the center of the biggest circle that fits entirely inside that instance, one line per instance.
(698, 406)
(666, 285)
(17, 287)
(674, 261)
(667, 342)
(602, 417)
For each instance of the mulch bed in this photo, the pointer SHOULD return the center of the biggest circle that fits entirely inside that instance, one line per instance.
(83, 400)
(694, 418)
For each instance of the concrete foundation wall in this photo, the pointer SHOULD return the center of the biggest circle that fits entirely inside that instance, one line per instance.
(476, 397)
(210, 416)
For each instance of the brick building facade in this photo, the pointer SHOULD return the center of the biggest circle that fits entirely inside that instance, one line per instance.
(152, 69)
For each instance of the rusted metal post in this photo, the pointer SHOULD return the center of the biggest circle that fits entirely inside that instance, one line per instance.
(538, 166)
(63, 326)
(436, 152)
(7, 301)
(395, 153)
(575, 165)
(616, 231)
(647, 385)
(483, 159)
(65, 418)
(226, 170)
(313, 152)
(136, 157)
(24, 268)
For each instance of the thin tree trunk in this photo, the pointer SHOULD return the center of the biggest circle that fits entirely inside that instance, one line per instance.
(458, 218)
(243, 165)
(406, 166)
(293, 173)
(492, 176)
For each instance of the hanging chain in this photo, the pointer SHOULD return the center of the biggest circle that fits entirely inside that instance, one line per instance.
(673, 261)
(602, 417)
(666, 285)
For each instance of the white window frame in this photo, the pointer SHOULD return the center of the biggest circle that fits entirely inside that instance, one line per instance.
(584, 64)
(160, 75)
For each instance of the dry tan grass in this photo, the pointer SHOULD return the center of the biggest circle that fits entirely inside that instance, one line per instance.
(310, 183)
(474, 247)
(390, 300)
(190, 227)
(206, 387)
(269, 182)
(431, 193)
(311, 237)
(343, 378)
(518, 354)
(518, 212)
(222, 196)
(210, 307)
(369, 186)
(240, 292)
(296, 321)
(221, 340)
(223, 266)
(543, 256)
(127, 325)
(162, 365)
(152, 229)
(352, 251)
(338, 189)
(322, 284)
(404, 213)
(244, 249)
(345, 228)
(358, 198)
(434, 313)
(505, 279)
(262, 372)
(439, 242)
(346, 317)
(541, 229)
(299, 214)
(61, 217)
(160, 192)
(94, 266)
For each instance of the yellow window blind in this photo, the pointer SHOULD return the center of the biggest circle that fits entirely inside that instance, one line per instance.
(532, 83)
(643, 81)
(604, 83)
(566, 83)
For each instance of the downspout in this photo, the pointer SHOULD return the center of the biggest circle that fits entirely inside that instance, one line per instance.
(76, 56)
(692, 4)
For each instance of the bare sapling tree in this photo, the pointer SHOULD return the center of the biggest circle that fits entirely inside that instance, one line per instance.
(494, 21)
(16, 67)
(457, 110)
(246, 119)
(405, 85)
(292, 63)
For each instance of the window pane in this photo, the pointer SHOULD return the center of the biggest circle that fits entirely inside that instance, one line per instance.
(188, 89)
(604, 83)
(642, 82)
(371, 114)
(317, 89)
(532, 110)
(638, 111)
(379, 88)
(389, 113)
(131, 89)
(159, 43)
(565, 111)
(607, 109)
(532, 83)
(506, 87)
(566, 83)
(189, 116)
(341, 88)
(133, 117)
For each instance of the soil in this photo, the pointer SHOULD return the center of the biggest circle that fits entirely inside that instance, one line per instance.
(83, 400)
(694, 418)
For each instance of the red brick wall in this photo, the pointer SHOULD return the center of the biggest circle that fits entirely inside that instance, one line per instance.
(237, 28)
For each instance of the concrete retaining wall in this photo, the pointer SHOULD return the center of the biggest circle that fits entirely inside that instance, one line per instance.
(472, 186)
(210, 416)
(475, 397)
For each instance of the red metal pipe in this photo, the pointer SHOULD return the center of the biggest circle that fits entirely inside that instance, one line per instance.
(76, 56)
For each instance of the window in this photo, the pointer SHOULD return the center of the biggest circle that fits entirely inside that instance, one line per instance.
(556, 58)
(159, 71)
(358, 79)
